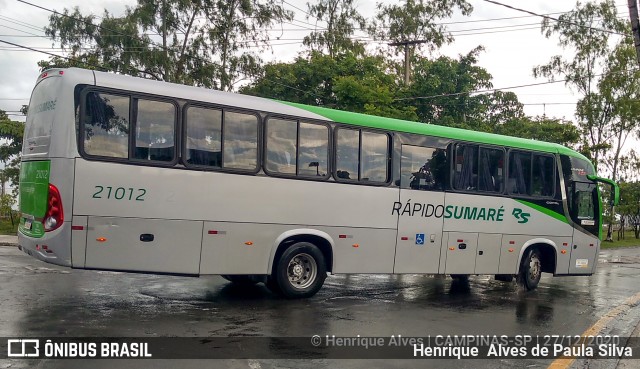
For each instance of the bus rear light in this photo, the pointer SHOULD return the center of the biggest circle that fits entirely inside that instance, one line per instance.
(101, 239)
(61, 72)
(404, 238)
(452, 248)
(563, 252)
(511, 250)
(54, 217)
(356, 245)
(212, 232)
(248, 243)
(77, 228)
(45, 247)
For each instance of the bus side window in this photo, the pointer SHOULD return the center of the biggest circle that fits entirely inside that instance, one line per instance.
(155, 131)
(374, 157)
(543, 178)
(281, 141)
(347, 155)
(423, 168)
(240, 141)
(466, 167)
(362, 156)
(491, 173)
(106, 125)
(519, 177)
(313, 150)
(204, 137)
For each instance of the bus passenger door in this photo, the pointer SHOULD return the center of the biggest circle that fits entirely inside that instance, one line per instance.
(583, 205)
(420, 209)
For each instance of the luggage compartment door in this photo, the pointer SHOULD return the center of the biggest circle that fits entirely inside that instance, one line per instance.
(144, 245)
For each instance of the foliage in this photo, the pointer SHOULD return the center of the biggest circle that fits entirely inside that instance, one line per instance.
(196, 42)
(11, 132)
(578, 30)
(416, 20)
(443, 87)
(541, 128)
(8, 228)
(358, 83)
(629, 208)
(342, 20)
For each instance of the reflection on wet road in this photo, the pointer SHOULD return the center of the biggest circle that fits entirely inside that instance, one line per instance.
(38, 299)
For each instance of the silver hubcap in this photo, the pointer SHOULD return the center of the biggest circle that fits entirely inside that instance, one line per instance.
(534, 267)
(302, 271)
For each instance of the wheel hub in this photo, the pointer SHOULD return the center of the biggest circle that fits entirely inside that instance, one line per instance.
(297, 270)
(302, 271)
(534, 268)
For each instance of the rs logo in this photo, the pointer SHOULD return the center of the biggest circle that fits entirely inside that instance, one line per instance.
(520, 215)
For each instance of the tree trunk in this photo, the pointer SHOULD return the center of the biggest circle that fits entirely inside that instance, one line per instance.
(635, 25)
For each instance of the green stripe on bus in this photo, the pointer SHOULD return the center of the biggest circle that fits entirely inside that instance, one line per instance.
(34, 190)
(435, 130)
(544, 210)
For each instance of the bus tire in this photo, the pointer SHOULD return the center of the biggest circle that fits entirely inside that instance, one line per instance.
(244, 279)
(530, 269)
(300, 271)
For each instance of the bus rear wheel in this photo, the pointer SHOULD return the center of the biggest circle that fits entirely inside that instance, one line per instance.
(299, 272)
(530, 269)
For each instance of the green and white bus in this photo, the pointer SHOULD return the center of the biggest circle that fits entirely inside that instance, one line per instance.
(128, 174)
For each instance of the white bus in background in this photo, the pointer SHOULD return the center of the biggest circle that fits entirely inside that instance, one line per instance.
(127, 174)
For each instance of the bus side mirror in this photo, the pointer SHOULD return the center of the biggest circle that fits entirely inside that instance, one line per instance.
(614, 187)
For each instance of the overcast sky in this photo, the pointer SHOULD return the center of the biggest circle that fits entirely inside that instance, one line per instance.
(510, 52)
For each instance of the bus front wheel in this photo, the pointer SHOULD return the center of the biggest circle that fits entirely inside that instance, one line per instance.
(530, 269)
(300, 271)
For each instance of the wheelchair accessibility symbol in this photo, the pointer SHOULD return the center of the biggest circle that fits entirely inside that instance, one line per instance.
(419, 238)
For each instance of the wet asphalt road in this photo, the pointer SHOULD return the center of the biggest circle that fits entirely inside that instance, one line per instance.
(38, 299)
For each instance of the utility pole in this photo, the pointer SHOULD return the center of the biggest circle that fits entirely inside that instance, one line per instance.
(635, 25)
(408, 53)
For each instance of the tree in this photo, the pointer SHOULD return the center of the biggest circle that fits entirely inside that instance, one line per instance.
(541, 128)
(629, 208)
(416, 20)
(342, 20)
(196, 42)
(413, 25)
(11, 132)
(619, 91)
(358, 83)
(582, 31)
(442, 92)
